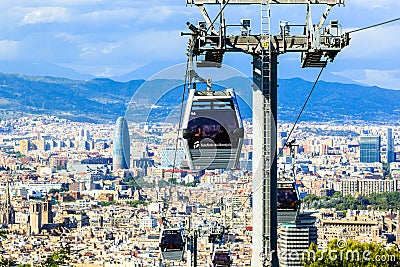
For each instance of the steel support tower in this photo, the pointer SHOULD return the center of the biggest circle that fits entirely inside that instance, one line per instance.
(264, 159)
(319, 44)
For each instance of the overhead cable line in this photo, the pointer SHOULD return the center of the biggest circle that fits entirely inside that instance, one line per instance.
(304, 106)
(320, 73)
(180, 118)
(375, 25)
(312, 90)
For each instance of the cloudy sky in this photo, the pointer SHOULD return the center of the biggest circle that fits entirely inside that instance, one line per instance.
(109, 38)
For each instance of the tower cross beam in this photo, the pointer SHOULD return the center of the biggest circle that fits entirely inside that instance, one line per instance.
(281, 44)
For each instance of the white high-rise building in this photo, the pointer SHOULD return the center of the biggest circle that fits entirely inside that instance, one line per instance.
(295, 239)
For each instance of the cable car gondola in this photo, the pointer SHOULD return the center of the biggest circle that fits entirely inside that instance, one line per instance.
(222, 258)
(288, 201)
(172, 244)
(212, 130)
(216, 235)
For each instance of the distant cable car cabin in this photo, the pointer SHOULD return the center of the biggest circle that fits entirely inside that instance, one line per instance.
(216, 235)
(288, 201)
(212, 130)
(172, 244)
(222, 258)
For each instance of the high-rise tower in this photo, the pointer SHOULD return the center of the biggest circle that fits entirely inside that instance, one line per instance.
(47, 215)
(370, 148)
(390, 146)
(7, 213)
(295, 239)
(121, 151)
(35, 217)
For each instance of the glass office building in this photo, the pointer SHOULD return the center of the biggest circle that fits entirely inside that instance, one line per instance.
(370, 148)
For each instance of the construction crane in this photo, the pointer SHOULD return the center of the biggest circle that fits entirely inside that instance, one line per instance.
(318, 44)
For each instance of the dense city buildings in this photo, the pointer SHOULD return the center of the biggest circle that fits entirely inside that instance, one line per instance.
(58, 185)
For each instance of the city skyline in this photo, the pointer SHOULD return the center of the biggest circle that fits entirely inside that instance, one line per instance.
(94, 203)
(91, 185)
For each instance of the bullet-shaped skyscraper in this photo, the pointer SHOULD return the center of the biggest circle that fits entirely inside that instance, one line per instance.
(121, 153)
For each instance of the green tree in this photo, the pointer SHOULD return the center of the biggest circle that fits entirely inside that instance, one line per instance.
(192, 184)
(337, 195)
(61, 168)
(108, 203)
(136, 203)
(138, 182)
(381, 201)
(340, 253)
(3, 235)
(58, 258)
(6, 262)
(172, 180)
(19, 155)
(54, 191)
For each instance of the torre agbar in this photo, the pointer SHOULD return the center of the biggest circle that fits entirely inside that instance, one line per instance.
(121, 152)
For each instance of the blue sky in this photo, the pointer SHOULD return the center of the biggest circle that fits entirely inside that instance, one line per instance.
(108, 38)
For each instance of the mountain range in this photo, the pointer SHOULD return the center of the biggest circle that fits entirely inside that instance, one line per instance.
(103, 100)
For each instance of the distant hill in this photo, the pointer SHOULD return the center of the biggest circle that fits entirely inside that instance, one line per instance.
(103, 100)
(42, 69)
(93, 100)
(338, 102)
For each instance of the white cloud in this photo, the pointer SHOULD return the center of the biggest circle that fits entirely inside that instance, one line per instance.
(159, 45)
(67, 37)
(389, 79)
(8, 49)
(109, 14)
(104, 36)
(373, 4)
(109, 48)
(138, 14)
(76, 2)
(46, 15)
(384, 78)
(159, 14)
(87, 51)
(133, 50)
(113, 37)
(379, 43)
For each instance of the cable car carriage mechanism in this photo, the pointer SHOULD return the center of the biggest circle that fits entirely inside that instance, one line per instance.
(212, 129)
